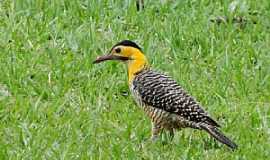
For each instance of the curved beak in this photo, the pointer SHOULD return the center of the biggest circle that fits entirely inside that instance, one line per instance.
(110, 57)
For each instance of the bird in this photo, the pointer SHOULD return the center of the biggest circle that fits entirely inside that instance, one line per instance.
(163, 100)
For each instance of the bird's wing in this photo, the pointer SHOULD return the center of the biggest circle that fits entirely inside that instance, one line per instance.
(161, 91)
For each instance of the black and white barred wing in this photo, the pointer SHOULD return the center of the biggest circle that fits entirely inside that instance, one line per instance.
(161, 91)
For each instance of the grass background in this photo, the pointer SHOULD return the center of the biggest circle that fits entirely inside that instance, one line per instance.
(55, 104)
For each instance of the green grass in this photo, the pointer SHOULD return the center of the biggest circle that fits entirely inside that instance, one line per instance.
(55, 104)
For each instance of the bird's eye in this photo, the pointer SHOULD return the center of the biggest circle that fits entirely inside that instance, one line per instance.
(117, 50)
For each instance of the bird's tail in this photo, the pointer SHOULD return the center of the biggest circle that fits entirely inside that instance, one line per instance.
(218, 135)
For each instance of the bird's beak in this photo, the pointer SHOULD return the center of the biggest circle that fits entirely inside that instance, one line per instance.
(110, 57)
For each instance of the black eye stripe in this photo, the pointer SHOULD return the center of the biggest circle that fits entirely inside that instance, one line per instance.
(117, 50)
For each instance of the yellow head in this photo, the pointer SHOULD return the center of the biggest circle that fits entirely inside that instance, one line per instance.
(128, 52)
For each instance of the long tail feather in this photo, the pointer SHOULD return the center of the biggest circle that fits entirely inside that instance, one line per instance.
(218, 135)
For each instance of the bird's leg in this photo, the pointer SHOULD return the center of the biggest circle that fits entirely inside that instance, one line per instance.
(139, 5)
(156, 129)
(171, 134)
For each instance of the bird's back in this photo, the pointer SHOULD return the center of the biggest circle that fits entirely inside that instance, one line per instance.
(157, 91)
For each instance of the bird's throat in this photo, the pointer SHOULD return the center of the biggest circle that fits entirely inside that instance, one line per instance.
(134, 67)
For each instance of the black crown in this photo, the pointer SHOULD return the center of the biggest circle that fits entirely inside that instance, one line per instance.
(128, 43)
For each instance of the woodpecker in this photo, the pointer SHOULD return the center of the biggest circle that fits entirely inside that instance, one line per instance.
(163, 100)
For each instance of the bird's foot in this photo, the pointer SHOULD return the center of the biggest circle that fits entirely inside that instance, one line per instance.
(154, 138)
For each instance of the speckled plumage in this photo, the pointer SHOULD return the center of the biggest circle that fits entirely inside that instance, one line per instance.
(170, 107)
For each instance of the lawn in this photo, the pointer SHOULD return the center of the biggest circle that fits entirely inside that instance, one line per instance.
(55, 104)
